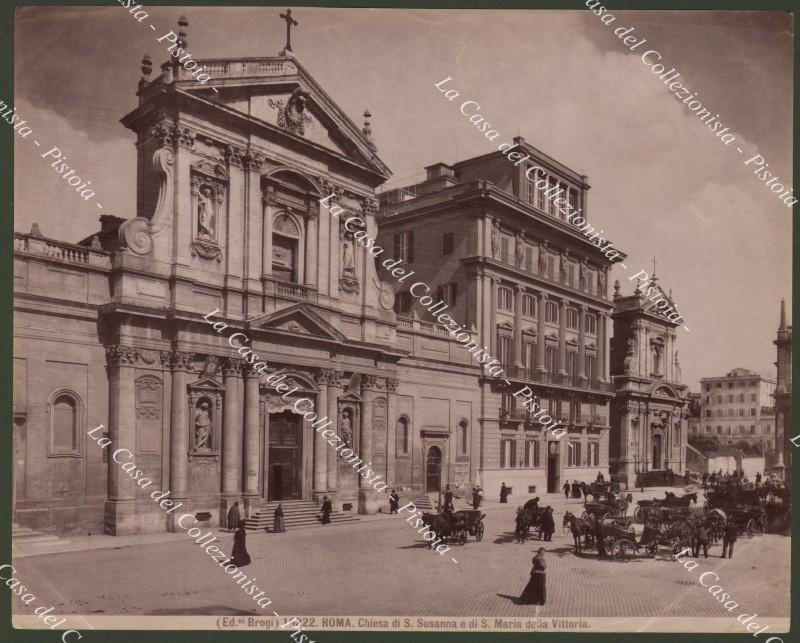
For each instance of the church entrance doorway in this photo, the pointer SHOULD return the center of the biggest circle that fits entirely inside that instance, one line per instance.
(656, 452)
(285, 456)
(433, 470)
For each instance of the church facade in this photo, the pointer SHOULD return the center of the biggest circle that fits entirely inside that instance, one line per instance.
(111, 331)
(649, 413)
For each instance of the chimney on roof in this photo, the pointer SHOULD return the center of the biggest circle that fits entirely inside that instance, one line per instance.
(438, 177)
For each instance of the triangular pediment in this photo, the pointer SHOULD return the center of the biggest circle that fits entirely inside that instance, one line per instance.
(298, 320)
(207, 383)
(278, 91)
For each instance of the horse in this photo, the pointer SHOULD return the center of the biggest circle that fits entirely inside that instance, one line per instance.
(527, 517)
(579, 527)
(438, 524)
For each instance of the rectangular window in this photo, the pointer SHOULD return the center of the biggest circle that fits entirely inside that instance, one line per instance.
(572, 360)
(594, 454)
(447, 293)
(529, 305)
(402, 303)
(507, 405)
(528, 353)
(752, 411)
(551, 312)
(551, 359)
(752, 428)
(708, 413)
(741, 412)
(539, 192)
(528, 259)
(508, 453)
(448, 241)
(574, 454)
(753, 397)
(573, 201)
(571, 274)
(504, 349)
(551, 267)
(591, 362)
(552, 186)
(730, 398)
(572, 318)
(504, 241)
(404, 246)
(505, 298)
(591, 324)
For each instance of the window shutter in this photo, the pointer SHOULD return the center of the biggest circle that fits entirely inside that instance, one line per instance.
(502, 454)
(513, 446)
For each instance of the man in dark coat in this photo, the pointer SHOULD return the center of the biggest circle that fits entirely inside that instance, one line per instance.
(566, 489)
(713, 478)
(476, 497)
(448, 500)
(705, 479)
(758, 478)
(729, 537)
(234, 517)
(598, 537)
(700, 540)
(548, 524)
(576, 489)
(326, 511)
(503, 492)
(396, 498)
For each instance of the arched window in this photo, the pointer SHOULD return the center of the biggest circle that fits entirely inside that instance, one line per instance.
(403, 436)
(65, 412)
(285, 248)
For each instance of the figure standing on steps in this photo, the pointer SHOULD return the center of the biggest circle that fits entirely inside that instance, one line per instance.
(278, 526)
(326, 511)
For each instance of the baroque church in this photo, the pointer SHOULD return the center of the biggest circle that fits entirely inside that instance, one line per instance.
(111, 331)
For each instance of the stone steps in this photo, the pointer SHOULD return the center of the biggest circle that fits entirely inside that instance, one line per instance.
(26, 536)
(296, 513)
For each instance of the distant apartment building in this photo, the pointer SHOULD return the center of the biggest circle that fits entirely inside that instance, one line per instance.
(738, 406)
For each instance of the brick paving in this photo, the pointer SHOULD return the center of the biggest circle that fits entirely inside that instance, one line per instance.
(382, 567)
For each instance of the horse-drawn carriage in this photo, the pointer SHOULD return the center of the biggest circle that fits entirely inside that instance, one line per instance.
(529, 518)
(455, 527)
(646, 509)
(607, 503)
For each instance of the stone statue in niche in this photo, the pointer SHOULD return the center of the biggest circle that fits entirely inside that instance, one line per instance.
(202, 426)
(206, 224)
(346, 426)
(348, 256)
(629, 354)
(495, 241)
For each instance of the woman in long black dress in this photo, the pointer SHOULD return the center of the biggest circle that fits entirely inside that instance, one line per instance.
(535, 592)
(239, 557)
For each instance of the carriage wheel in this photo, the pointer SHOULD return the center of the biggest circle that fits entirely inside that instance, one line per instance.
(637, 513)
(462, 537)
(479, 532)
(625, 550)
(608, 544)
(652, 548)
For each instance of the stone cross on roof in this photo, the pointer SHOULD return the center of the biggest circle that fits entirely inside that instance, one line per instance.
(289, 22)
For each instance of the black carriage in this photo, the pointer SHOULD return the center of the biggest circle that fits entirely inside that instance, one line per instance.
(619, 540)
(605, 504)
(456, 527)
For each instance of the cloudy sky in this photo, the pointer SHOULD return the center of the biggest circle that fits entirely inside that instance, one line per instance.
(662, 184)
